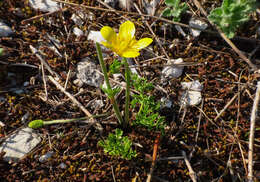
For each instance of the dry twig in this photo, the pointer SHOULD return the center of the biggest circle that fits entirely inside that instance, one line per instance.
(252, 133)
(191, 172)
(75, 101)
(155, 149)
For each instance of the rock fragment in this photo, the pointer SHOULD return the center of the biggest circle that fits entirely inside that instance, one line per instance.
(197, 23)
(87, 73)
(5, 30)
(45, 5)
(192, 93)
(18, 144)
(171, 70)
(95, 36)
(46, 157)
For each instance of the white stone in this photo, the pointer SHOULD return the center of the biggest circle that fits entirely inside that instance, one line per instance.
(20, 143)
(195, 86)
(165, 103)
(173, 71)
(78, 32)
(192, 94)
(197, 23)
(111, 3)
(97, 104)
(180, 30)
(46, 156)
(95, 36)
(191, 98)
(45, 5)
(80, 17)
(62, 165)
(5, 30)
(88, 73)
(149, 6)
(125, 4)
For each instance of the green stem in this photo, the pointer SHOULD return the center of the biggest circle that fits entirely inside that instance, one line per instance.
(111, 97)
(63, 121)
(38, 123)
(127, 94)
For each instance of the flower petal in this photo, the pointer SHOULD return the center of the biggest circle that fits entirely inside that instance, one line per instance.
(130, 53)
(142, 43)
(126, 31)
(108, 33)
(107, 44)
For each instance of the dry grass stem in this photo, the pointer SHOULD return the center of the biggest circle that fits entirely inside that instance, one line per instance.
(252, 133)
(191, 172)
(75, 101)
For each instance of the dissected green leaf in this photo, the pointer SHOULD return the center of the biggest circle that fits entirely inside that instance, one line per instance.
(115, 67)
(167, 12)
(117, 145)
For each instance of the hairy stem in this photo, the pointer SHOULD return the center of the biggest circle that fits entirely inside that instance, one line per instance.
(111, 97)
(127, 94)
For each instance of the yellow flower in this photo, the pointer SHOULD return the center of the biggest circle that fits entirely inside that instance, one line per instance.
(124, 43)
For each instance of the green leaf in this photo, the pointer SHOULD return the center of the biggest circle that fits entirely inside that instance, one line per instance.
(167, 12)
(115, 67)
(231, 15)
(171, 2)
(1, 51)
(117, 145)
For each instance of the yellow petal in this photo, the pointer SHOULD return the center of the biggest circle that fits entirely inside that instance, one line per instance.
(108, 33)
(142, 43)
(107, 45)
(130, 53)
(126, 31)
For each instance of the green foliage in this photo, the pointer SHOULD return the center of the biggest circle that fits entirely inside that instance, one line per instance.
(231, 15)
(36, 124)
(115, 67)
(174, 9)
(110, 92)
(1, 51)
(147, 115)
(117, 145)
(140, 84)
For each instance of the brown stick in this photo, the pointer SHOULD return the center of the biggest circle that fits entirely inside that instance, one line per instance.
(252, 133)
(155, 149)
(191, 172)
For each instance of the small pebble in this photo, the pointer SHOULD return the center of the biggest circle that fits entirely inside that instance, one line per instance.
(78, 32)
(95, 36)
(197, 23)
(87, 73)
(45, 5)
(192, 94)
(173, 71)
(62, 165)
(5, 30)
(46, 156)
(165, 103)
